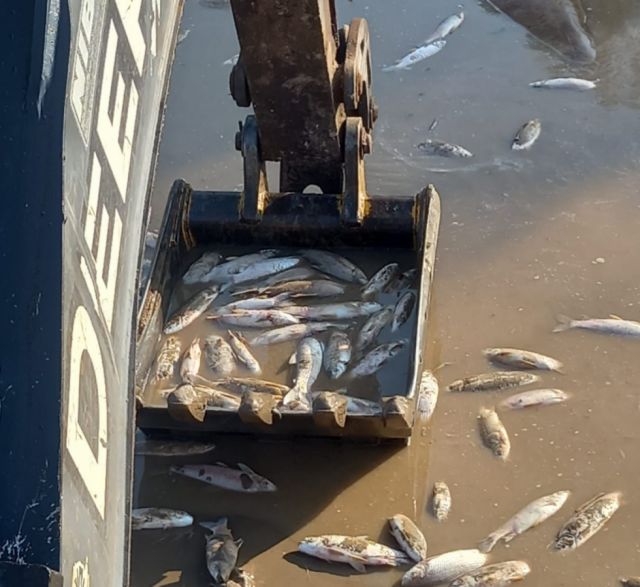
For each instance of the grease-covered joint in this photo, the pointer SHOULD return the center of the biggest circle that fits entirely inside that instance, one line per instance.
(397, 412)
(330, 409)
(257, 408)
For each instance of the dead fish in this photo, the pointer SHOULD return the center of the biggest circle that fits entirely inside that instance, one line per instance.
(428, 390)
(357, 406)
(443, 568)
(241, 385)
(159, 519)
(337, 354)
(241, 578)
(171, 448)
(263, 268)
(630, 581)
(224, 272)
(219, 355)
(519, 359)
(373, 327)
(403, 281)
(586, 521)
(535, 397)
(341, 311)
(257, 318)
(253, 304)
(494, 434)
(309, 363)
(191, 362)
(380, 280)
(408, 536)
(220, 399)
(294, 332)
(306, 288)
(417, 55)
(335, 265)
(496, 575)
(243, 479)
(239, 345)
(493, 381)
(296, 274)
(376, 358)
(530, 516)
(613, 325)
(446, 27)
(200, 268)
(221, 550)
(403, 310)
(191, 311)
(527, 135)
(565, 83)
(442, 149)
(167, 358)
(441, 501)
(357, 551)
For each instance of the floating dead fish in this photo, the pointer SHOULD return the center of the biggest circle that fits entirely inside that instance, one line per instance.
(309, 363)
(243, 479)
(442, 149)
(373, 327)
(520, 359)
(257, 318)
(191, 362)
(167, 358)
(403, 310)
(535, 397)
(341, 311)
(376, 358)
(630, 581)
(428, 390)
(380, 280)
(240, 385)
(403, 281)
(337, 354)
(443, 568)
(159, 519)
(220, 399)
(446, 27)
(417, 55)
(441, 501)
(219, 355)
(494, 434)
(357, 551)
(294, 332)
(296, 274)
(335, 265)
(225, 272)
(241, 350)
(221, 550)
(264, 268)
(306, 288)
(357, 406)
(191, 311)
(200, 268)
(586, 521)
(171, 448)
(408, 536)
(527, 135)
(253, 304)
(530, 516)
(496, 575)
(613, 325)
(495, 381)
(565, 83)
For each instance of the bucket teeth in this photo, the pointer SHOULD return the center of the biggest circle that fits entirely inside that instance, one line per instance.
(397, 412)
(330, 409)
(185, 404)
(257, 408)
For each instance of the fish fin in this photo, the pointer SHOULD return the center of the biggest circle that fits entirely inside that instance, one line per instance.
(292, 359)
(221, 464)
(358, 566)
(239, 542)
(510, 536)
(488, 543)
(615, 317)
(246, 469)
(564, 323)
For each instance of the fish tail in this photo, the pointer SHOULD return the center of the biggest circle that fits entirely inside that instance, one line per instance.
(564, 323)
(388, 67)
(488, 543)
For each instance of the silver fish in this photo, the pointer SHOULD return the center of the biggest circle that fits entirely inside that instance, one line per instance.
(441, 501)
(159, 519)
(261, 269)
(376, 358)
(496, 575)
(408, 536)
(443, 568)
(530, 516)
(240, 385)
(167, 358)
(295, 274)
(357, 551)
(337, 354)
(241, 350)
(191, 362)
(221, 550)
(535, 397)
(257, 318)
(380, 280)
(171, 448)
(200, 268)
(373, 327)
(428, 390)
(586, 521)
(565, 83)
(309, 363)
(243, 479)
(306, 288)
(335, 265)
(630, 581)
(218, 355)
(446, 27)
(224, 272)
(341, 311)
(253, 304)
(417, 55)
(356, 406)
(403, 281)
(442, 149)
(497, 380)
(527, 135)
(494, 434)
(612, 325)
(403, 310)
(191, 311)
(294, 332)
(520, 359)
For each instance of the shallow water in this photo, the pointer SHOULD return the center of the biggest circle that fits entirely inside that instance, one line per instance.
(524, 237)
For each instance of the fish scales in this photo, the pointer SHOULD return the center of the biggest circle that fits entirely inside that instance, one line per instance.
(159, 519)
(167, 358)
(335, 265)
(534, 397)
(191, 311)
(443, 568)
(522, 359)
(494, 434)
(408, 536)
(221, 550)
(495, 575)
(242, 480)
(494, 381)
(428, 391)
(337, 354)
(219, 355)
(441, 501)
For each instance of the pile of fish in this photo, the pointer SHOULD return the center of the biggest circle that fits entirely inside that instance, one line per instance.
(319, 302)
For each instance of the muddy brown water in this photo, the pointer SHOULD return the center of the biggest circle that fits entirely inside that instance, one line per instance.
(523, 238)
